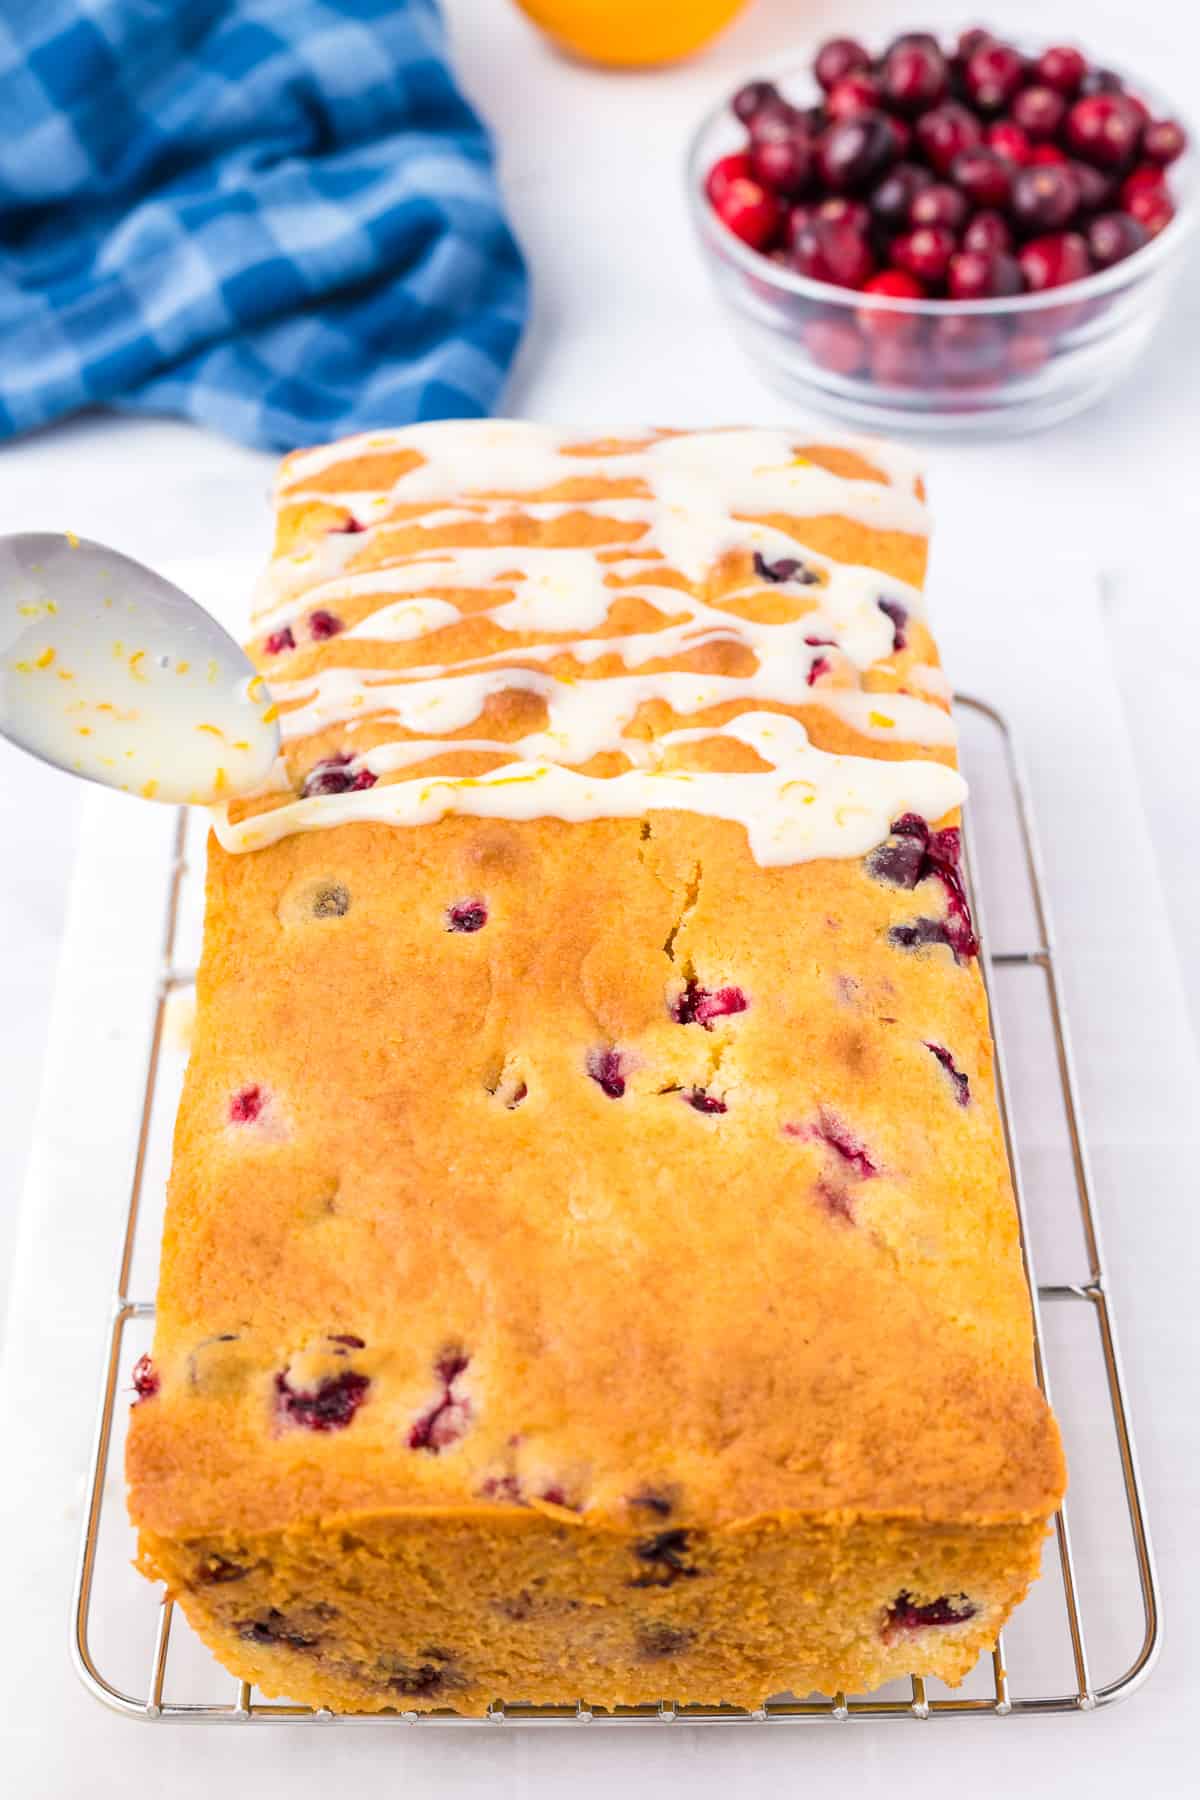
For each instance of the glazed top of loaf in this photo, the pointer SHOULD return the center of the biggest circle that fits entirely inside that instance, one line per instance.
(591, 1101)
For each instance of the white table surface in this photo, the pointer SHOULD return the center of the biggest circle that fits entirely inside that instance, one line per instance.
(626, 329)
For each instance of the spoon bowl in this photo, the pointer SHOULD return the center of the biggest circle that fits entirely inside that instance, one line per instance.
(112, 673)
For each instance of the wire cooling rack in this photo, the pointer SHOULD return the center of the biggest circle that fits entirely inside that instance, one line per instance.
(1098, 1562)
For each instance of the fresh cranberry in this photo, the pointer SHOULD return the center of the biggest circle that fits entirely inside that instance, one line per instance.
(145, 1379)
(837, 58)
(1028, 353)
(785, 568)
(898, 615)
(989, 234)
(446, 1421)
(994, 73)
(279, 641)
(925, 252)
(783, 164)
(1151, 207)
(854, 152)
(1062, 68)
(750, 100)
(323, 625)
(877, 321)
(245, 1106)
(1008, 141)
(966, 350)
(827, 251)
(725, 170)
(945, 131)
(906, 40)
(749, 211)
(1163, 140)
(1039, 111)
(914, 76)
(983, 176)
(776, 118)
(1146, 177)
(902, 134)
(855, 94)
(1104, 129)
(939, 204)
(467, 915)
(1045, 199)
(891, 199)
(842, 211)
(905, 1615)
(1096, 190)
(604, 1067)
(962, 1085)
(836, 345)
(667, 1555)
(1054, 261)
(703, 1101)
(700, 1006)
(328, 1407)
(1101, 81)
(333, 776)
(898, 362)
(983, 275)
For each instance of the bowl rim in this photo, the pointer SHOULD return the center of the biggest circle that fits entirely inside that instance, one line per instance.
(1145, 261)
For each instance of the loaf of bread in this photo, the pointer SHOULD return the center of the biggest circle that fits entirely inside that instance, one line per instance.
(591, 1268)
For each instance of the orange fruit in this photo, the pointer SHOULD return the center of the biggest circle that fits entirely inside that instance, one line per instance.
(631, 34)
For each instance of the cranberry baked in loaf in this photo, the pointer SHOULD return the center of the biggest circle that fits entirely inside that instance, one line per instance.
(590, 1266)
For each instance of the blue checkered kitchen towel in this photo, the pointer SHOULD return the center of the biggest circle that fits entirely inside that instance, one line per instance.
(277, 217)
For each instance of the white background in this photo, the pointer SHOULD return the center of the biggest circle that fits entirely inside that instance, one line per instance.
(625, 330)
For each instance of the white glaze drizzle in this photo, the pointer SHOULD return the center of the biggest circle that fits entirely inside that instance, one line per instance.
(698, 485)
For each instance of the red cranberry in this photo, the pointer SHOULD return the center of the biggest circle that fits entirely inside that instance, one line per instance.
(852, 153)
(983, 275)
(1114, 236)
(1039, 111)
(334, 776)
(1027, 353)
(1104, 129)
(832, 252)
(725, 170)
(466, 915)
(145, 1379)
(950, 1609)
(939, 204)
(837, 58)
(819, 666)
(323, 625)
(994, 73)
(446, 1421)
(836, 345)
(1044, 199)
(1045, 156)
(834, 1132)
(856, 94)
(783, 164)
(914, 76)
(892, 609)
(841, 211)
(700, 1006)
(749, 101)
(1062, 68)
(891, 200)
(984, 176)
(1151, 207)
(750, 212)
(906, 40)
(1163, 140)
(775, 119)
(279, 641)
(962, 1084)
(878, 322)
(973, 39)
(329, 1407)
(1147, 176)
(1101, 81)
(1095, 188)
(703, 1101)
(898, 362)
(902, 134)
(1008, 141)
(925, 252)
(945, 131)
(604, 1067)
(246, 1105)
(349, 526)
(1054, 261)
(965, 348)
(987, 232)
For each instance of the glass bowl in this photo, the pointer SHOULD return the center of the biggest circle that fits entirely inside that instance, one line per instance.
(938, 367)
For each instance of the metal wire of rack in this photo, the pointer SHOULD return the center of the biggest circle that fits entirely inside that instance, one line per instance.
(1003, 1697)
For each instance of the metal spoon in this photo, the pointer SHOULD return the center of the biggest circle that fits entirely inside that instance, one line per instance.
(114, 674)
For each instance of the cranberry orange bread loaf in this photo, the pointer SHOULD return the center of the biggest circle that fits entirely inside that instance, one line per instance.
(590, 1265)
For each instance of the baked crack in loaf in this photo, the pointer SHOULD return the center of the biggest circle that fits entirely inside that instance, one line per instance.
(590, 1265)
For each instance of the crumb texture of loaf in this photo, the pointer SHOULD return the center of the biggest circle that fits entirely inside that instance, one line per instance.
(591, 1268)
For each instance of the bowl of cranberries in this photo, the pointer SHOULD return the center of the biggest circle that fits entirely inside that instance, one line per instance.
(952, 237)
